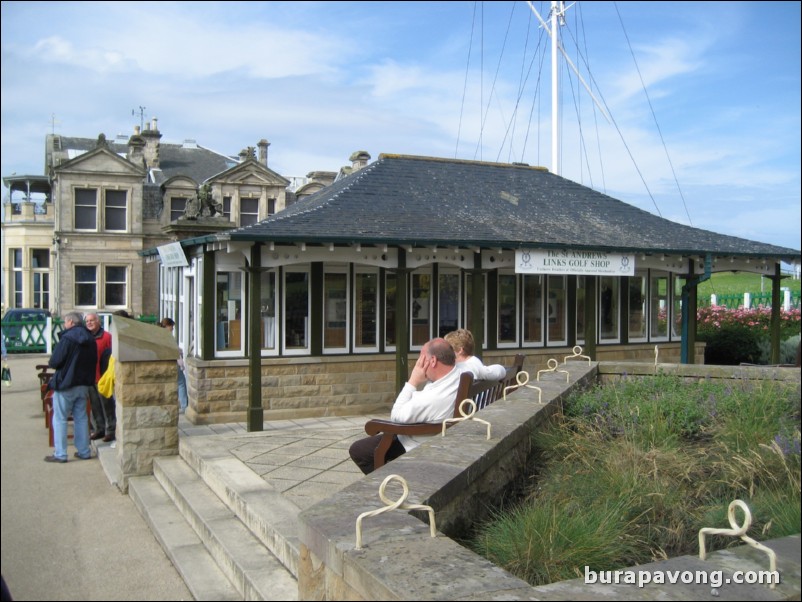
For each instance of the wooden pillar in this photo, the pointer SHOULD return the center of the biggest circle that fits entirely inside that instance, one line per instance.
(208, 319)
(591, 300)
(402, 333)
(256, 412)
(776, 279)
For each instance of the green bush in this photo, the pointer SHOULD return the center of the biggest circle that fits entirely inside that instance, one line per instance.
(732, 345)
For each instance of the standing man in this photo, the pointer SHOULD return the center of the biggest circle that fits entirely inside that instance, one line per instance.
(433, 403)
(74, 359)
(104, 412)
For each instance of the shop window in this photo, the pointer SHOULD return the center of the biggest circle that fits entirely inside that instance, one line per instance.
(533, 309)
(229, 311)
(268, 311)
(637, 307)
(580, 310)
(421, 308)
(296, 312)
(507, 309)
(335, 318)
(448, 302)
(609, 308)
(366, 319)
(469, 300)
(390, 290)
(658, 306)
(556, 311)
(676, 314)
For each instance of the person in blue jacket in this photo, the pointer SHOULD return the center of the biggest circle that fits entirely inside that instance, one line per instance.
(74, 360)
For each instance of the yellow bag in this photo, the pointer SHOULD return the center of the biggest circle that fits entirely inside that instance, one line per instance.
(105, 385)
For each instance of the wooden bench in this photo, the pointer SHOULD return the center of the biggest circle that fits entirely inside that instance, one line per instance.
(45, 374)
(482, 392)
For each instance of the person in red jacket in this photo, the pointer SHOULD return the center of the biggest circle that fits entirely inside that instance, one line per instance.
(104, 414)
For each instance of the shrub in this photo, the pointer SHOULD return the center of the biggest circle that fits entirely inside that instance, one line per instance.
(736, 336)
(732, 345)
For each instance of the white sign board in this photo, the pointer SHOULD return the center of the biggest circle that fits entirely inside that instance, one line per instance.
(172, 255)
(574, 262)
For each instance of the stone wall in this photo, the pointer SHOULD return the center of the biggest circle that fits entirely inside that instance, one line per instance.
(145, 386)
(303, 387)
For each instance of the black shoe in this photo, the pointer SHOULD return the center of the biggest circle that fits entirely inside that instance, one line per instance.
(89, 457)
(55, 459)
(110, 437)
(95, 436)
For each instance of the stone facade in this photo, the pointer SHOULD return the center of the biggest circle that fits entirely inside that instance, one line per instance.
(133, 192)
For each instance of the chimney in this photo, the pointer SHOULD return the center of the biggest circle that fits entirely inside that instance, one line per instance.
(263, 144)
(151, 150)
(359, 159)
(136, 147)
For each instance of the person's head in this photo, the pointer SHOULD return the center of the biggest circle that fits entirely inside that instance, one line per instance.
(92, 322)
(71, 319)
(461, 340)
(439, 357)
(122, 313)
(167, 323)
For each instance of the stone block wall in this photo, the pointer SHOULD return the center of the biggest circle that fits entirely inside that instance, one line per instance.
(145, 386)
(291, 388)
(305, 387)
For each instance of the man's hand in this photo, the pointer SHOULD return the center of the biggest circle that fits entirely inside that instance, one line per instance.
(418, 376)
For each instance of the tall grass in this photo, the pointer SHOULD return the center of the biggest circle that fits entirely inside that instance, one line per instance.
(634, 469)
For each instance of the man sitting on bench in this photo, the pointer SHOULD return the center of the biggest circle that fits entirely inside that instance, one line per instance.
(433, 403)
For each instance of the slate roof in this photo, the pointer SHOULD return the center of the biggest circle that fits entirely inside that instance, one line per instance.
(188, 160)
(407, 200)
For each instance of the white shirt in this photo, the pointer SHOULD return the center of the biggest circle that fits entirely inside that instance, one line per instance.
(433, 403)
(481, 372)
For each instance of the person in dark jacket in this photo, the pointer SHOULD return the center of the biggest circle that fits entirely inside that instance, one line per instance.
(74, 360)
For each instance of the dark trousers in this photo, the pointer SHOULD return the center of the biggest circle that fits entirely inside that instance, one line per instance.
(361, 452)
(104, 412)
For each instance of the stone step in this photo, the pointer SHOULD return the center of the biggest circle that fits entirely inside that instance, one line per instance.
(181, 544)
(270, 516)
(247, 563)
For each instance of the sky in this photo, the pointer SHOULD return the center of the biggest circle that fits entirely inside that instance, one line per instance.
(702, 98)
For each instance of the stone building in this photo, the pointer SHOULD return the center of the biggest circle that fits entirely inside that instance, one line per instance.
(72, 238)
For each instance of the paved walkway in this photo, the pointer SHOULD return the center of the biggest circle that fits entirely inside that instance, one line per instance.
(306, 460)
(67, 532)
